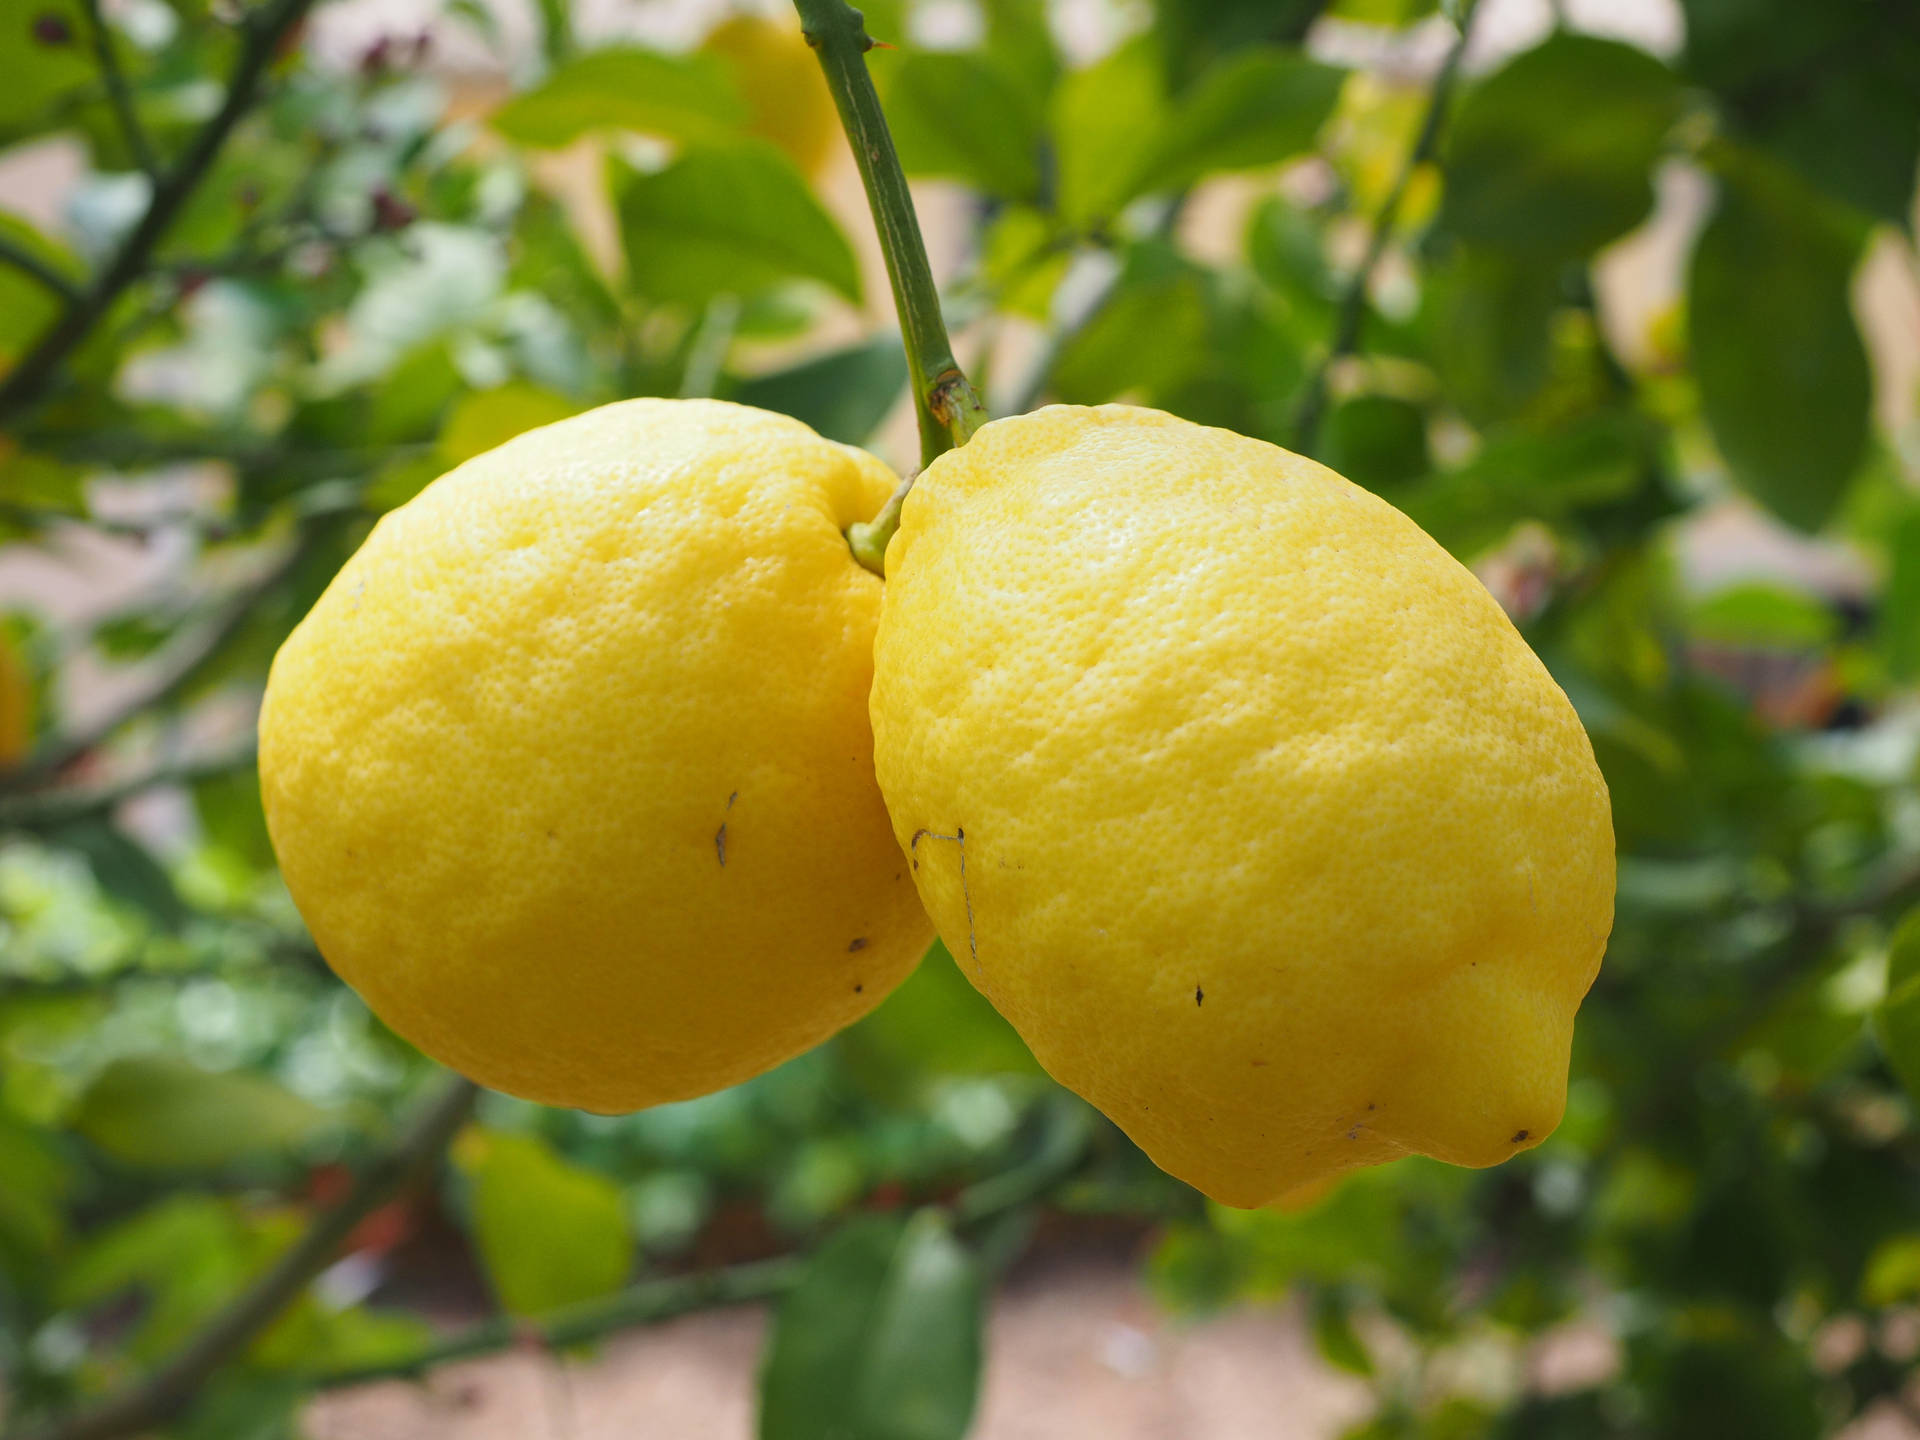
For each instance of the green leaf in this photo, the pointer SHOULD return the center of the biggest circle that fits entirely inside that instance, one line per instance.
(1193, 34)
(1828, 88)
(1783, 374)
(728, 221)
(1897, 1022)
(958, 115)
(1335, 1338)
(685, 97)
(936, 1023)
(43, 56)
(522, 1189)
(1893, 1271)
(843, 395)
(1490, 326)
(1149, 336)
(1551, 155)
(1764, 615)
(161, 1113)
(1019, 37)
(922, 1372)
(124, 869)
(486, 419)
(33, 1219)
(1257, 107)
(879, 1341)
(1900, 605)
(817, 1349)
(26, 306)
(1107, 120)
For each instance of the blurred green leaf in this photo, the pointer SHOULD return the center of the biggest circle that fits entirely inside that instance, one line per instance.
(1335, 1338)
(43, 56)
(729, 221)
(33, 1220)
(1783, 374)
(184, 1256)
(1019, 36)
(935, 1023)
(843, 395)
(921, 1375)
(1900, 605)
(1150, 335)
(1897, 1022)
(1107, 119)
(1552, 154)
(27, 306)
(1829, 88)
(958, 115)
(1490, 317)
(1258, 107)
(124, 869)
(1762, 614)
(1193, 34)
(1377, 441)
(485, 419)
(684, 97)
(879, 1341)
(162, 1113)
(522, 1188)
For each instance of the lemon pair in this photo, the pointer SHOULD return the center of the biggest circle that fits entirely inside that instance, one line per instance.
(607, 776)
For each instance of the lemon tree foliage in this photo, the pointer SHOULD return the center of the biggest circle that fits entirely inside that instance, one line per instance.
(290, 287)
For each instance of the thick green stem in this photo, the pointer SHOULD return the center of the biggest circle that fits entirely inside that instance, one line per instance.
(948, 408)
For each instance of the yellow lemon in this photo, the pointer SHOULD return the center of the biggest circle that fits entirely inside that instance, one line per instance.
(569, 769)
(781, 82)
(1239, 797)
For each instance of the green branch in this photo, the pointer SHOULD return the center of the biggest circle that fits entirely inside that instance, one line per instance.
(170, 672)
(945, 402)
(30, 264)
(1058, 1152)
(118, 95)
(62, 805)
(1353, 301)
(170, 1389)
(28, 380)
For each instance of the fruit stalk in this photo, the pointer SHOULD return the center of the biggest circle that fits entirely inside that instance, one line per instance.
(946, 403)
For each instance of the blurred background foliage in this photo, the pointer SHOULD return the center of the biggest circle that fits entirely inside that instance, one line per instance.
(292, 279)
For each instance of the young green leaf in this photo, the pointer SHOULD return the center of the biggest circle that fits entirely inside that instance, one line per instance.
(729, 220)
(1552, 154)
(522, 1189)
(160, 1113)
(683, 97)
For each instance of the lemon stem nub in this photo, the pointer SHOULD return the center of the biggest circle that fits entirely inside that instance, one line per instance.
(868, 538)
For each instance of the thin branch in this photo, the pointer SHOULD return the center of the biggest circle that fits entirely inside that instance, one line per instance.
(170, 672)
(28, 380)
(1353, 302)
(169, 1390)
(643, 1304)
(1061, 1147)
(44, 809)
(118, 95)
(28, 263)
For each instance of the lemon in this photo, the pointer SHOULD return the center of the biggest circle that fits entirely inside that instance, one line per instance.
(787, 96)
(569, 769)
(1240, 799)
